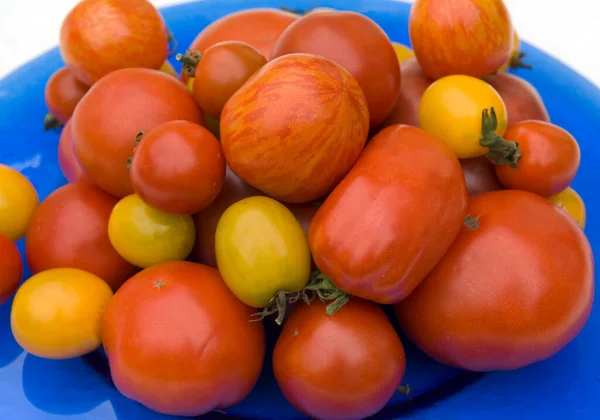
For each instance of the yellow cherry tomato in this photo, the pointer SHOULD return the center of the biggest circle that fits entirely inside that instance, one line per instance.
(451, 109)
(168, 69)
(145, 236)
(261, 250)
(18, 201)
(402, 52)
(57, 314)
(572, 203)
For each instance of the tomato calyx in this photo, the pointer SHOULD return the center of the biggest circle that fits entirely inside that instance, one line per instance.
(471, 222)
(136, 141)
(189, 61)
(404, 389)
(517, 62)
(278, 303)
(51, 123)
(323, 287)
(502, 152)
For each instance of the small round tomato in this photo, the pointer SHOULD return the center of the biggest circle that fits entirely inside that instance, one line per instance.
(18, 201)
(67, 161)
(70, 230)
(451, 109)
(572, 203)
(261, 250)
(550, 158)
(11, 268)
(98, 37)
(63, 92)
(344, 366)
(480, 175)
(513, 289)
(178, 167)
(403, 53)
(145, 236)
(57, 314)
(180, 343)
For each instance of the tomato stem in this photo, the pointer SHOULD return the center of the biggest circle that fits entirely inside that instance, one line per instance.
(190, 61)
(502, 152)
(50, 122)
(323, 287)
(517, 62)
(136, 141)
(404, 389)
(471, 222)
(278, 303)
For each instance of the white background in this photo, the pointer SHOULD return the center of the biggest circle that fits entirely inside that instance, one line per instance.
(566, 29)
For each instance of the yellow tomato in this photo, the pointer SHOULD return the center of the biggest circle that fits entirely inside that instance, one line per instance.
(402, 52)
(516, 49)
(145, 236)
(168, 69)
(261, 249)
(190, 84)
(451, 109)
(57, 314)
(572, 203)
(18, 201)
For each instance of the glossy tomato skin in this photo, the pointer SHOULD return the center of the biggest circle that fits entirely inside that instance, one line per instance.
(510, 293)
(18, 201)
(100, 36)
(63, 92)
(470, 37)
(180, 343)
(572, 204)
(550, 158)
(115, 110)
(178, 167)
(356, 43)
(11, 268)
(70, 230)
(295, 128)
(67, 161)
(480, 175)
(222, 70)
(392, 218)
(345, 366)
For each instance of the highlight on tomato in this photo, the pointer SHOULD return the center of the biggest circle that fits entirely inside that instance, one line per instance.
(11, 268)
(62, 93)
(572, 203)
(18, 201)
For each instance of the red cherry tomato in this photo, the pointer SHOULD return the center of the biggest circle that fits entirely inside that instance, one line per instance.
(512, 292)
(550, 158)
(115, 110)
(11, 268)
(70, 230)
(480, 175)
(100, 36)
(178, 167)
(63, 92)
(470, 37)
(179, 342)
(344, 366)
(67, 161)
(356, 43)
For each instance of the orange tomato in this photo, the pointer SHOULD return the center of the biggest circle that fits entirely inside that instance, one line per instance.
(63, 92)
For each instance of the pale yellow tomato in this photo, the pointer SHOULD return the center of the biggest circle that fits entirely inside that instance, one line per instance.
(402, 52)
(572, 203)
(451, 109)
(57, 314)
(18, 201)
(145, 236)
(168, 68)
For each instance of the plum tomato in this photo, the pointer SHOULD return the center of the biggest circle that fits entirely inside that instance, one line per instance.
(180, 343)
(98, 37)
(402, 52)
(534, 298)
(18, 201)
(550, 158)
(11, 268)
(295, 128)
(480, 175)
(345, 366)
(67, 161)
(470, 37)
(63, 92)
(572, 203)
(358, 44)
(57, 314)
(145, 236)
(70, 230)
(177, 167)
(392, 218)
(115, 110)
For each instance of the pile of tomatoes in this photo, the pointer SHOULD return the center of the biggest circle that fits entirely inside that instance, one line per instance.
(301, 170)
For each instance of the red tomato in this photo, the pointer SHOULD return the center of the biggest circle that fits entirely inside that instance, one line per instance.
(70, 230)
(67, 161)
(471, 37)
(345, 366)
(178, 167)
(295, 128)
(550, 158)
(507, 294)
(11, 268)
(115, 110)
(523, 102)
(356, 43)
(480, 175)
(100, 36)
(179, 342)
(388, 223)
(63, 92)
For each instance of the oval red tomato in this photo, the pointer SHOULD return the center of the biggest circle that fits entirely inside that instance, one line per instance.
(67, 161)
(392, 218)
(179, 342)
(480, 175)
(63, 92)
(295, 128)
(115, 110)
(70, 230)
(507, 294)
(11, 268)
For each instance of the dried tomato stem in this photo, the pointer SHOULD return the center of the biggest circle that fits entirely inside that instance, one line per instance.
(190, 61)
(404, 389)
(50, 122)
(502, 152)
(471, 222)
(517, 62)
(327, 291)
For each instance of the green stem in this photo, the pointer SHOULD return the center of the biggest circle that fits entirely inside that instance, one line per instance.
(404, 389)
(324, 288)
(502, 152)
(190, 61)
(517, 62)
(50, 122)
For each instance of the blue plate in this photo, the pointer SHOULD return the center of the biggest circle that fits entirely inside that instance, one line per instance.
(33, 388)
